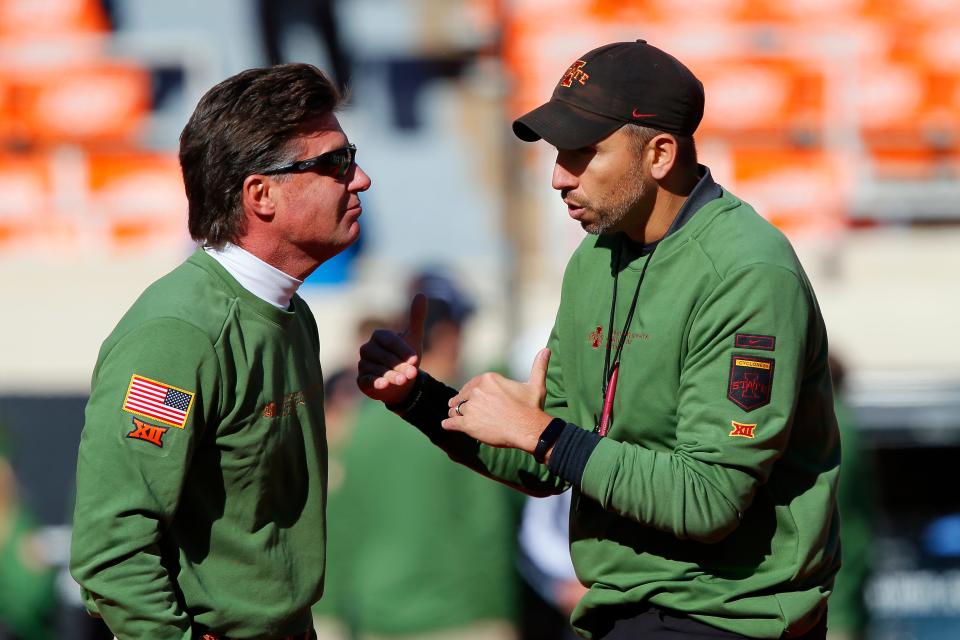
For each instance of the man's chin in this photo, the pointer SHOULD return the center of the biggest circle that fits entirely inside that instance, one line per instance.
(594, 228)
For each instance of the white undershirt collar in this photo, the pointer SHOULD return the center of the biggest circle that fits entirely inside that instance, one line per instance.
(256, 276)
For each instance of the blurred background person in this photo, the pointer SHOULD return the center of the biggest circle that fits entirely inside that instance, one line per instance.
(848, 616)
(27, 597)
(342, 400)
(278, 18)
(420, 548)
(341, 397)
(551, 589)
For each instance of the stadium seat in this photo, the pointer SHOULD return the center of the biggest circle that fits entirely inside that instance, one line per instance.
(25, 183)
(138, 196)
(800, 190)
(764, 99)
(23, 19)
(89, 104)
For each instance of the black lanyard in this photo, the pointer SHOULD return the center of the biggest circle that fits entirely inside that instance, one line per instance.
(609, 385)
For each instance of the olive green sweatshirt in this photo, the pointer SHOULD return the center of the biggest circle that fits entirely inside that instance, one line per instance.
(201, 480)
(714, 492)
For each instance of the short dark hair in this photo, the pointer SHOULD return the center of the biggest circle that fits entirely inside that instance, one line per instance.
(686, 148)
(243, 125)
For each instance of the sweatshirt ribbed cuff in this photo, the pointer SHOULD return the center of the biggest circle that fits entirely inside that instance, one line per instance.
(428, 407)
(571, 452)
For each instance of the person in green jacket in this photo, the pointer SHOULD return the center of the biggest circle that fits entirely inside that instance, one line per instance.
(685, 395)
(202, 470)
(27, 580)
(857, 502)
(421, 549)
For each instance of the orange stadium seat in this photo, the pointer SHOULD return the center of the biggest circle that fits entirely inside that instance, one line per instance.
(537, 48)
(84, 104)
(913, 163)
(8, 124)
(743, 11)
(907, 99)
(917, 11)
(139, 198)
(617, 10)
(763, 99)
(908, 107)
(797, 12)
(33, 18)
(799, 190)
(25, 206)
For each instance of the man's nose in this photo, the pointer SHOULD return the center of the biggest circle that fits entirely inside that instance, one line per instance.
(562, 178)
(361, 181)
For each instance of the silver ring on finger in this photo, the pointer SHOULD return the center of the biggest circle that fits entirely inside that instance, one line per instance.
(460, 404)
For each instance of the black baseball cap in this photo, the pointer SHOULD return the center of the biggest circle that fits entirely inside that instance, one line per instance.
(611, 86)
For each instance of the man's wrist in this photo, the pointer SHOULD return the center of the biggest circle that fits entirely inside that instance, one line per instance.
(547, 438)
(413, 397)
(569, 456)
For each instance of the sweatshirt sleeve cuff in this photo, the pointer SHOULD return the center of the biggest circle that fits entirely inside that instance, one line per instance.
(571, 453)
(427, 406)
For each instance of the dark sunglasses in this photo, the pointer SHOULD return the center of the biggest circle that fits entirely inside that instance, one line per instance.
(340, 160)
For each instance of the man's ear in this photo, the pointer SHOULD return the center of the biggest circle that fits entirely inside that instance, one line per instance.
(664, 155)
(257, 196)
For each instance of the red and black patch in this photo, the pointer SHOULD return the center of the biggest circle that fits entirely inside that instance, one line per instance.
(751, 381)
(754, 341)
(148, 432)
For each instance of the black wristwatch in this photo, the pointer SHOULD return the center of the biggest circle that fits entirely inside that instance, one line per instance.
(547, 438)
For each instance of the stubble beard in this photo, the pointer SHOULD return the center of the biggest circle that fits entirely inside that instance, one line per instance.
(611, 210)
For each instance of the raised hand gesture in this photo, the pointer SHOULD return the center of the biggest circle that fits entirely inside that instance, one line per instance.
(390, 361)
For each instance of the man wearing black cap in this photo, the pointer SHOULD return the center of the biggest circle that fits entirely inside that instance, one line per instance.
(685, 396)
(421, 549)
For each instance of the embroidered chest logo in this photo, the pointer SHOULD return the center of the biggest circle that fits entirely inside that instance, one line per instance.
(288, 403)
(751, 381)
(575, 73)
(596, 340)
(148, 432)
(741, 430)
(596, 337)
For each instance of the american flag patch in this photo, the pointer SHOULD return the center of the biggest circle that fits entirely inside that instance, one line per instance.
(152, 399)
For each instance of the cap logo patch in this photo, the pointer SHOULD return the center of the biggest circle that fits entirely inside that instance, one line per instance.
(741, 430)
(751, 381)
(636, 114)
(148, 432)
(575, 72)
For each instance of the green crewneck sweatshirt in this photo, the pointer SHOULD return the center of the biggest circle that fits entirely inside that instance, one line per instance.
(201, 480)
(713, 493)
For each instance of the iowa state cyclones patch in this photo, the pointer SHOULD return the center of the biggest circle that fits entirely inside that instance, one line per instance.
(751, 381)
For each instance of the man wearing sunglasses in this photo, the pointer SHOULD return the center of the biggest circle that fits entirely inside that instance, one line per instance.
(201, 480)
(685, 397)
